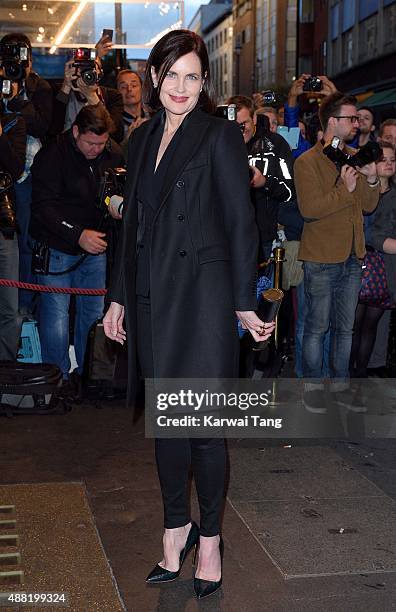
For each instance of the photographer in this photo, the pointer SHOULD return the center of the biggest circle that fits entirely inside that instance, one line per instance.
(12, 162)
(300, 87)
(272, 166)
(77, 92)
(67, 217)
(31, 98)
(331, 200)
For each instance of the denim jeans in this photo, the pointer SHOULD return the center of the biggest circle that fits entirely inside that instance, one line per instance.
(23, 203)
(299, 336)
(331, 293)
(10, 324)
(54, 308)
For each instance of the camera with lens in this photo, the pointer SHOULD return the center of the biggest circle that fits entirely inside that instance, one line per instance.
(5, 87)
(269, 97)
(84, 63)
(112, 183)
(8, 223)
(14, 59)
(227, 111)
(313, 83)
(370, 152)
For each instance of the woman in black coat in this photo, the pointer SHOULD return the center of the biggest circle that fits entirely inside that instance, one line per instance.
(186, 270)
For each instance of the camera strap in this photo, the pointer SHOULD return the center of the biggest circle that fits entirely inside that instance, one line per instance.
(71, 268)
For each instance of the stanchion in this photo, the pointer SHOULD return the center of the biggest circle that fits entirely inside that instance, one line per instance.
(278, 259)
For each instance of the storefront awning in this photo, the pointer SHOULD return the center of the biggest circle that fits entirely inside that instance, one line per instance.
(381, 98)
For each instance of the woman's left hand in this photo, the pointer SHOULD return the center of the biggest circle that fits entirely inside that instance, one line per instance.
(250, 321)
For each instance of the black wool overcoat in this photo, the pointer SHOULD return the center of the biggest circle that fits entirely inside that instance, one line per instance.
(203, 255)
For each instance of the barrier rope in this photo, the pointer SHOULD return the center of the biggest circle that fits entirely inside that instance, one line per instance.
(4, 282)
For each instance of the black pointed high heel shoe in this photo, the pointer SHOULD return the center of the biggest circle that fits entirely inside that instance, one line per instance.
(161, 574)
(204, 588)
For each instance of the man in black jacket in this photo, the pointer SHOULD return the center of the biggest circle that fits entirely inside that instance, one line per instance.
(32, 99)
(12, 163)
(272, 165)
(67, 216)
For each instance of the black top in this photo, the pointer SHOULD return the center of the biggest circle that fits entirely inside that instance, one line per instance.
(149, 196)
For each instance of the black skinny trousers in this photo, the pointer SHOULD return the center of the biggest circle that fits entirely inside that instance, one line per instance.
(175, 457)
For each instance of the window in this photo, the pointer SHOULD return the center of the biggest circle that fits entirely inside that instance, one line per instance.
(221, 39)
(225, 35)
(367, 8)
(243, 37)
(389, 24)
(225, 64)
(217, 41)
(348, 14)
(324, 56)
(248, 33)
(347, 50)
(368, 38)
(335, 17)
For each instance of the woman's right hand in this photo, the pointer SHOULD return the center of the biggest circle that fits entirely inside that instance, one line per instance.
(113, 323)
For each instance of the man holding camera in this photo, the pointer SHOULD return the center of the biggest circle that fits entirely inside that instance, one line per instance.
(271, 165)
(31, 98)
(80, 88)
(69, 223)
(331, 198)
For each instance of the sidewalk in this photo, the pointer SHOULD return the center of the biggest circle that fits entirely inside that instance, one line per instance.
(269, 490)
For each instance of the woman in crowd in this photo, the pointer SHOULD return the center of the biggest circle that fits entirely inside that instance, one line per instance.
(382, 236)
(186, 270)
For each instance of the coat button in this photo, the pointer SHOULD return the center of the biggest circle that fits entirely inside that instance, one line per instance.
(180, 183)
(180, 217)
(182, 253)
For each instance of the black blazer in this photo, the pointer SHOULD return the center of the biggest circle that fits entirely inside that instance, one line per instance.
(203, 251)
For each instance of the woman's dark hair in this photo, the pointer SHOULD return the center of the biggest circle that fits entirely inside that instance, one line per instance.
(164, 54)
(94, 119)
(384, 144)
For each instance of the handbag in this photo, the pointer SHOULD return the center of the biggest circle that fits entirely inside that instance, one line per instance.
(374, 289)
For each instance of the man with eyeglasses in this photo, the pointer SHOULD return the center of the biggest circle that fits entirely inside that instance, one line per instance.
(331, 200)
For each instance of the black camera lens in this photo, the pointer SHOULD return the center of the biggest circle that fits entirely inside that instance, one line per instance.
(89, 77)
(13, 70)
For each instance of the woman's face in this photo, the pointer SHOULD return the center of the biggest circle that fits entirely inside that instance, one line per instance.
(182, 85)
(386, 166)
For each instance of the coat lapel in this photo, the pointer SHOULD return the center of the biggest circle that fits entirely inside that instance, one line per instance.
(194, 130)
(136, 157)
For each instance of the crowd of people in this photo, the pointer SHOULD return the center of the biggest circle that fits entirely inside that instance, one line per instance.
(205, 201)
(58, 140)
